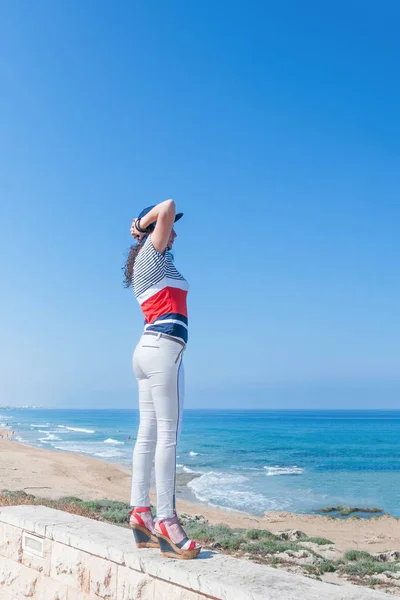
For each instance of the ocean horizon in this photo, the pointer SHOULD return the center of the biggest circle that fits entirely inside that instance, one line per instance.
(295, 460)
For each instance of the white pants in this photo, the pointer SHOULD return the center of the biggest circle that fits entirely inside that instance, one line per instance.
(157, 364)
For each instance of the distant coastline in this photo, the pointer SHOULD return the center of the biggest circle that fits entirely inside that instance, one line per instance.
(296, 461)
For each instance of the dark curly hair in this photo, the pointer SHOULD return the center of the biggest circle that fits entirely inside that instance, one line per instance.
(130, 262)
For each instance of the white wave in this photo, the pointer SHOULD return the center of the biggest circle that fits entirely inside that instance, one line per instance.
(187, 470)
(76, 429)
(18, 438)
(67, 448)
(193, 453)
(41, 425)
(231, 490)
(252, 468)
(179, 465)
(108, 454)
(91, 448)
(50, 438)
(48, 431)
(111, 441)
(277, 470)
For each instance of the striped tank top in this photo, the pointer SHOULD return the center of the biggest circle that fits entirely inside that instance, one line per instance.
(161, 292)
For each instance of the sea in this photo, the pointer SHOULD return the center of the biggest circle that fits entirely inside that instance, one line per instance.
(248, 460)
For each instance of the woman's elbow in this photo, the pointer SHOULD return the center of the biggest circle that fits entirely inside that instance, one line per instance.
(170, 204)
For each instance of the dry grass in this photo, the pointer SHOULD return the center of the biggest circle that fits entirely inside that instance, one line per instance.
(65, 504)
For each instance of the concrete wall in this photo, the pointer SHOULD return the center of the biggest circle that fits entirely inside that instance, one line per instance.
(46, 554)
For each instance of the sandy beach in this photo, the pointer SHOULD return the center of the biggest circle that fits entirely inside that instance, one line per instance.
(53, 474)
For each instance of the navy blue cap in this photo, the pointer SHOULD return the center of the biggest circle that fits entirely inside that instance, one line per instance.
(148, 209)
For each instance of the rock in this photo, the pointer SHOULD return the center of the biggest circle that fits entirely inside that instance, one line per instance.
(275, 517)
(375, 539)
(327, 551)
(291, 535)
(388, 578)
(381, 577)
(216, 545)
(393, 575)
(332, 578)
(192, 518)
(301, 557)
(389, 556)
(316, 547)
(329, 554)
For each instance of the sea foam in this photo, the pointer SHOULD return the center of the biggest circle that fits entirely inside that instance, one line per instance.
(76, 429)
(111, 441)
(108, 454)
(50, 438)
(277, 470)
(187, 470)
(231, 490)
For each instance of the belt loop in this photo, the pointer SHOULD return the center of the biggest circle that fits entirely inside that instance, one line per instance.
(158, 336)
(179, 355)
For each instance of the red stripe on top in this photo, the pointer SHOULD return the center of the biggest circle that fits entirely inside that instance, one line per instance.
(163, 529)
(139, 519)
(168, 300)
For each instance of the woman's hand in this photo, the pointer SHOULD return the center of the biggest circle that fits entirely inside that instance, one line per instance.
(163, 215)
(137, 235)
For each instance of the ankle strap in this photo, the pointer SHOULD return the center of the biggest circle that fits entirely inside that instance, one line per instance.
(139, 510)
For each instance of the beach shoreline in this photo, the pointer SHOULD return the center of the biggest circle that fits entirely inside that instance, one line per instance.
(55, 474)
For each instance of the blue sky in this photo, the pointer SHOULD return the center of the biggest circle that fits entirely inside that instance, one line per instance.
(276, 129)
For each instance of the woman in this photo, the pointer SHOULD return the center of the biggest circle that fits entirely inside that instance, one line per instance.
(157, 362)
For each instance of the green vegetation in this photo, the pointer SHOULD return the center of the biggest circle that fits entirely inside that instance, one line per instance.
(372, 581)
(232, 542)
(274, 562)
(358, 555)
(257, 534)
(328, 566)
(364, 568)
(317, 540)
(363, 564)
(270, 547)
(345, 511)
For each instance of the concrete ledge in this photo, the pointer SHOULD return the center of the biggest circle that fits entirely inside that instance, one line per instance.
(68, 557)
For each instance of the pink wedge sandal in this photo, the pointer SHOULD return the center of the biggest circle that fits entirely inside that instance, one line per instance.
(142, 525)
(173, 541)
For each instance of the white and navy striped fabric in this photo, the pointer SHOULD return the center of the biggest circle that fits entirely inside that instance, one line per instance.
(161, 292)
